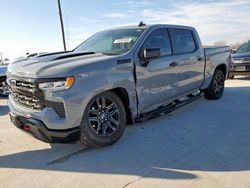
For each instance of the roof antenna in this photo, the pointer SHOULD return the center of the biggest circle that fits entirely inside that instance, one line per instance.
(141, 24)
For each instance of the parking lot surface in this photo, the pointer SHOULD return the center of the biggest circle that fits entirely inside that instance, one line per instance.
(203, 144)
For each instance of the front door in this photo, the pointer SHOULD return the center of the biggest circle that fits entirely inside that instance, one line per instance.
(157, 77)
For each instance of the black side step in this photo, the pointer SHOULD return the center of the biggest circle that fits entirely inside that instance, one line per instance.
(169, 108)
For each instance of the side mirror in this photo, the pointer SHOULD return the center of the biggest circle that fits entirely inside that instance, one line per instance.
(151, 53)
(233, 51)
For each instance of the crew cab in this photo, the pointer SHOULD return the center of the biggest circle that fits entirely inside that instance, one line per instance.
(112, 79)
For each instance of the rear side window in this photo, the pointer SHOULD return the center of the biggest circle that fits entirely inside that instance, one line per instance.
(182, 41)
(159, 39)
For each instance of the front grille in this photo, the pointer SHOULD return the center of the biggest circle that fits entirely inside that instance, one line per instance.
(247, 60)
(28, 94)
(25, 85)
(27, 101)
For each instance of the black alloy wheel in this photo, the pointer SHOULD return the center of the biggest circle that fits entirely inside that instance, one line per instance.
(104, 116)
(104, 120)
(216, 87)
(218, 83)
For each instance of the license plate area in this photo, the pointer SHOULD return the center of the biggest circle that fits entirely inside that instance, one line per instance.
(240, 68)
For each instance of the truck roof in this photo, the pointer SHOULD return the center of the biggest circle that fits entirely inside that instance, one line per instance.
(152, 26)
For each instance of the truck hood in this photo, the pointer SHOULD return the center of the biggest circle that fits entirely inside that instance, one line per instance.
(240, 55)
(59, 64)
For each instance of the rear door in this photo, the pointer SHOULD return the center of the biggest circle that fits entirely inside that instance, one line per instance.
(190, 58)
(155, 83)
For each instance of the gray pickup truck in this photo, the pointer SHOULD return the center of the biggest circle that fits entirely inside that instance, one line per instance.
(110, 80)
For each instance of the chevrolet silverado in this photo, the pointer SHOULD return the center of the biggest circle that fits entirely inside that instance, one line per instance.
(113, 78)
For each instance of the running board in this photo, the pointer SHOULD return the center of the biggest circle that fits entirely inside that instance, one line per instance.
(169, 108)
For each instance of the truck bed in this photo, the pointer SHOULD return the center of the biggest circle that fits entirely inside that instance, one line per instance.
(214, 57)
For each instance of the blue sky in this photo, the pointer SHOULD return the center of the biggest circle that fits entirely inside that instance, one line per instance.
(33, 26)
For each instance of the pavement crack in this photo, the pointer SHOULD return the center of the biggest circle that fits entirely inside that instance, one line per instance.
(129, 183)
(68, 156)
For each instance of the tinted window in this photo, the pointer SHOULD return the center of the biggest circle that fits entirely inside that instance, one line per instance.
(159, 39)
(182, 41)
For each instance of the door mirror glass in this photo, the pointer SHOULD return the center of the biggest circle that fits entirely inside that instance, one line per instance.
(151, 53)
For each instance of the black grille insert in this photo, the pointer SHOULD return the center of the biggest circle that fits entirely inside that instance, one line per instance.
(28, 101)
(57, 106)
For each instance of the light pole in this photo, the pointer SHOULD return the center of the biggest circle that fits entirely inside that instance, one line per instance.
(61, 21)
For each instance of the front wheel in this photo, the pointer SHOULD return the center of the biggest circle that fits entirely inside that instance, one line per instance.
(216, 87)
(104, 120)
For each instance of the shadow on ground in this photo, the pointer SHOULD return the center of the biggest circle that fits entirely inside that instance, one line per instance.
(202, 136)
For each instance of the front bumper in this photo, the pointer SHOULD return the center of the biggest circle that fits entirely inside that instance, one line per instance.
(240, 69)
(37, 129)
(59, 110)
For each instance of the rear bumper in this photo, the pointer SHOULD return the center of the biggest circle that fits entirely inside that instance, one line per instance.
(38, 130)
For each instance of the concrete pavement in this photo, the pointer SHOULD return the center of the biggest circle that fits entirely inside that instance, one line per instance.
(203, 144)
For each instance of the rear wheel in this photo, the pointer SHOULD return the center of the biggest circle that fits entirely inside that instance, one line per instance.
(104, 120)
(216, 87)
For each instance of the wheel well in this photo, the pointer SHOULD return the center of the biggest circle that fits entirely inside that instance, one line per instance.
(3, 78)
(123, 94)
(223, 68)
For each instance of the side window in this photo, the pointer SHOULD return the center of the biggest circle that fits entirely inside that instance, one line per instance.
(182, 41)
(159, 39)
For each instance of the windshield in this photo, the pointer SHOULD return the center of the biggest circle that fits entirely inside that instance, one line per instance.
(244, 48)
(111, 42)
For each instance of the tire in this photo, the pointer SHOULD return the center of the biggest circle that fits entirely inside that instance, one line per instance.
(104, 120)
(216, 87)
(4, 92)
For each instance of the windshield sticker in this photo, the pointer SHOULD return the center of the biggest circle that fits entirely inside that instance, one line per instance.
(125, 40)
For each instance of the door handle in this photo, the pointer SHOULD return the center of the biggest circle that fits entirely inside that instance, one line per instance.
(199, 59)
(173, 64)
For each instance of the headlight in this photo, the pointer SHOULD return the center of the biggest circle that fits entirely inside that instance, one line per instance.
(237, 60)
(58, 85)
